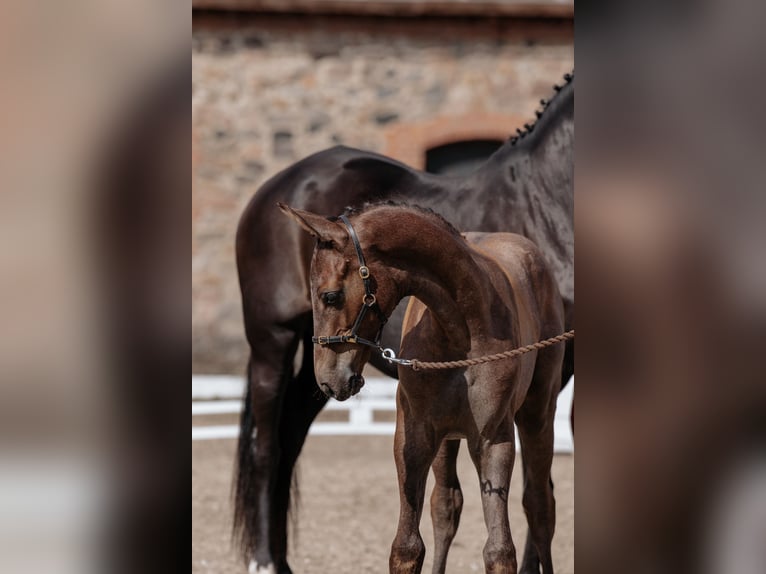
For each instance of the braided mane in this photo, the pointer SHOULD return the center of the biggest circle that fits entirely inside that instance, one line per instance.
(529, 128)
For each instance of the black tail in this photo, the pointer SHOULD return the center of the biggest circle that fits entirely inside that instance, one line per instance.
(245, 500)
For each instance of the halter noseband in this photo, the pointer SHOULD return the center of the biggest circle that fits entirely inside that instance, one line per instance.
(368, 302)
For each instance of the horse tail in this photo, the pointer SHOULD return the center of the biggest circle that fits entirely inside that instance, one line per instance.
(245, 499)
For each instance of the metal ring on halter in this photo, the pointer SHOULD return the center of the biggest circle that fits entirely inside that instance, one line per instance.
(390, 356)
(369, 299)
(364, 272)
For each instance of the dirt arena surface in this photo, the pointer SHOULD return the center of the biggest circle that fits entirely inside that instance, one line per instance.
(349, 507)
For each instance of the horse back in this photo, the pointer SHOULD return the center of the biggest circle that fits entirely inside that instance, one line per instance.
(537, 299)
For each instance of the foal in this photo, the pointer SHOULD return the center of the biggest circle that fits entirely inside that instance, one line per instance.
(473, 295)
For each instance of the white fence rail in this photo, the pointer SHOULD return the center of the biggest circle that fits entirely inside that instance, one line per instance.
(217, 395)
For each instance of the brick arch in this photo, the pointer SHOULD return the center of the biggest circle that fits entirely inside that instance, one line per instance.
(408, 142)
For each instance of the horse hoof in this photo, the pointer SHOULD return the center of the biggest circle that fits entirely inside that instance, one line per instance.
(255, 568)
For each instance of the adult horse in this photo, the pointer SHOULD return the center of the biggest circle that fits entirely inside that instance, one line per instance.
(476, 295)
(525, 187)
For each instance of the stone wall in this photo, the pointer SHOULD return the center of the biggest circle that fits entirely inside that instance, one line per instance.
(268, 91)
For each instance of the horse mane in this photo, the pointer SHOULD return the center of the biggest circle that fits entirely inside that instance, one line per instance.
(546, 105)
(427, 211)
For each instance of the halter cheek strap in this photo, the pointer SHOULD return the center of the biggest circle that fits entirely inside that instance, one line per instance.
(369, 302)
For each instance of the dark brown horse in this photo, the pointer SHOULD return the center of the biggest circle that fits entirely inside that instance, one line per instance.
(491, 293)
(526, 187)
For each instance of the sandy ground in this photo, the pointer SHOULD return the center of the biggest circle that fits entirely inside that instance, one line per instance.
(349, 507)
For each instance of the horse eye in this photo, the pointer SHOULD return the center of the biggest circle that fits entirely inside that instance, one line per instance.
(332, 298)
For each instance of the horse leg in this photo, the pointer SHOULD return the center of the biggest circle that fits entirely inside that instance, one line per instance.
(535, 425)
(494, 463)
(302, 402)
(539, 503)
(446, 502)
(269, 370)
(567, 368)
(414, 450)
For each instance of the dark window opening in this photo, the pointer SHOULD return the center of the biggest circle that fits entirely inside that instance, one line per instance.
(460, 158)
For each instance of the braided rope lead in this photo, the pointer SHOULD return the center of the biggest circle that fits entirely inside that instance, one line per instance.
(436, 365)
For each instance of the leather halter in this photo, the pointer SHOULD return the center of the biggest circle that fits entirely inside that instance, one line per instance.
(368, 302)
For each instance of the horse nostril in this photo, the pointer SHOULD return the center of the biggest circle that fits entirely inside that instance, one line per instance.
(327, 390)
(357, 382)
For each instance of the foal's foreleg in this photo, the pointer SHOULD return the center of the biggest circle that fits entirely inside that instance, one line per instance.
(494, 462)
(414, 450)
(446, 502)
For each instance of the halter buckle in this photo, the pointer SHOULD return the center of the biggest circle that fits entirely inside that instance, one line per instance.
(369, 299)
(322, 340)
(364, 272)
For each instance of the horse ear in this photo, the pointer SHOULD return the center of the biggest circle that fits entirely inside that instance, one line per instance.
(320, 227)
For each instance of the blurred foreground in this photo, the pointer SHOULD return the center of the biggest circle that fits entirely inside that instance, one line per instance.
(94, 282)
(671, 285)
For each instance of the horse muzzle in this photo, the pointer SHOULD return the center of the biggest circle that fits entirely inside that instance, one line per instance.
(342, 392)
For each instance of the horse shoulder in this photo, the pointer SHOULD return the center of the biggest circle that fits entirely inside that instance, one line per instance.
(525, 268)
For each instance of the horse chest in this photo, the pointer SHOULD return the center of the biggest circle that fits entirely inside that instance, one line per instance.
(462, 404)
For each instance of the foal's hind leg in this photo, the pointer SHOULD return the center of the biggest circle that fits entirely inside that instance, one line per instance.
(494, 462)
(446, 502)
(535, 426)
(539, 504)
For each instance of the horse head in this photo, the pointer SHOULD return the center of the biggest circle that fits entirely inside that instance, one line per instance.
(350, 300)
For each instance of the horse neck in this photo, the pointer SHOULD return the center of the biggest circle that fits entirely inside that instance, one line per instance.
(546, 152)
(428, 261)
(555, 129)
(536, 177)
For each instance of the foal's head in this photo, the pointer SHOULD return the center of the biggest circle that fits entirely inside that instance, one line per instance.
(337, 296)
